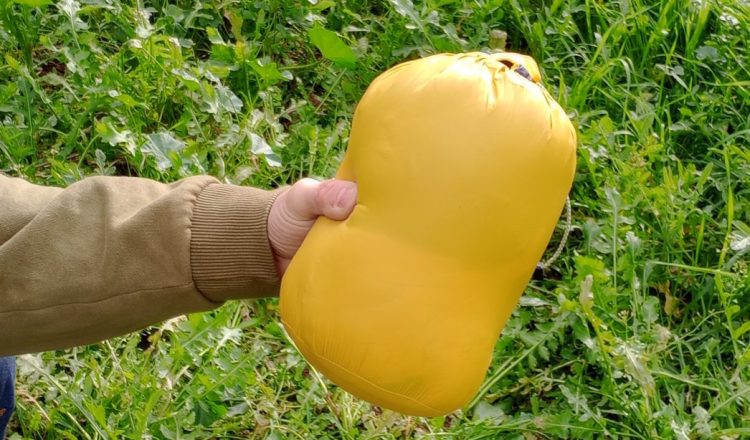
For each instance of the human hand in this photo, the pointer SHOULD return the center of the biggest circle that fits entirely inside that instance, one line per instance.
(295, 210)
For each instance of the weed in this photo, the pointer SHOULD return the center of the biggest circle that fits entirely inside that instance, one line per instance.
(642, 332)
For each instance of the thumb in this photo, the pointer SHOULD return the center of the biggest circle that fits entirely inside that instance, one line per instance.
(296, 209)
(308, 199)
(336, 199)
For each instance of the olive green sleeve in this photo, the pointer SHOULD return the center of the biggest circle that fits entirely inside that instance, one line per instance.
(110, 255)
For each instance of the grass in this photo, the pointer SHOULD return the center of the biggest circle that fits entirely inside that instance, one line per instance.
(640, 331)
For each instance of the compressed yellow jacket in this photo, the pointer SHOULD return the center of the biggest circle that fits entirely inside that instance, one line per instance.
(110, 255)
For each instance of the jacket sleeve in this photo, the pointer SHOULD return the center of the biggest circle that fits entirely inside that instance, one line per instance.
(109, 255)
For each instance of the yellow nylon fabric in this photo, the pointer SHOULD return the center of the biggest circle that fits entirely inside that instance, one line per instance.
(463, 166)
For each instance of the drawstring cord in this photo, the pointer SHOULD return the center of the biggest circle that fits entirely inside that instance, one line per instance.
(542, 266)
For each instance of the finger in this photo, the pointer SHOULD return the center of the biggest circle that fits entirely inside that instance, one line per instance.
(336, 199)
(308, 199)
(300, 202)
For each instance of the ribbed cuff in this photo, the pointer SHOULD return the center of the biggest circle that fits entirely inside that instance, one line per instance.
(230, 254)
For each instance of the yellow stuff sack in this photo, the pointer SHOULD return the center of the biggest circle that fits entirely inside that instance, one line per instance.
(463, 163)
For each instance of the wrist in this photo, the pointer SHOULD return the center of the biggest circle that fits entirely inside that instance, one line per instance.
(230, 252)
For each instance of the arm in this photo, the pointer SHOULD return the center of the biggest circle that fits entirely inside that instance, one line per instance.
(110, 255)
